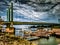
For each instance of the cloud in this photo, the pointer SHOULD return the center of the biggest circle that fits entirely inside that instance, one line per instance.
(26, 13)
(34, 16)
(1, 11)
(4, 18)
(30, 13)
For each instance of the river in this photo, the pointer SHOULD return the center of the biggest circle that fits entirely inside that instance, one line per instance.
(43, 41)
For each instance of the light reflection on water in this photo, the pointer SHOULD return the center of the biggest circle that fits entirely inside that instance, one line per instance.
(43, 41)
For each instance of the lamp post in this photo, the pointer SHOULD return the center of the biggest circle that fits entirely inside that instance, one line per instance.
(1, 23)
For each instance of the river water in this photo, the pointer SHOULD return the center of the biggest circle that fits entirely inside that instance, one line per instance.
(43, 41)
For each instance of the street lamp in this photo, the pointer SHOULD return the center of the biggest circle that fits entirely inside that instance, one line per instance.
(1, 22)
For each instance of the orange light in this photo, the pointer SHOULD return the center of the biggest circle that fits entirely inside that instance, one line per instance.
(9, 29)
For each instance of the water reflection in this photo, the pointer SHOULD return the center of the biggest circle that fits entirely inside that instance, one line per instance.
(43, 41)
